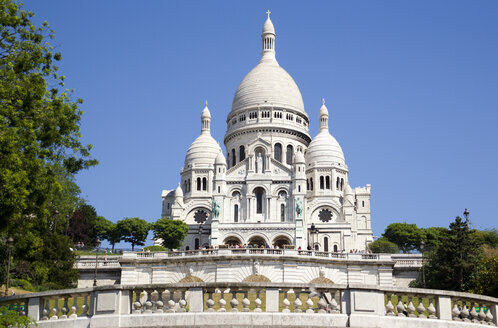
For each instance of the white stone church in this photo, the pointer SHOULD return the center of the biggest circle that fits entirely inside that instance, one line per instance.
(276, 185)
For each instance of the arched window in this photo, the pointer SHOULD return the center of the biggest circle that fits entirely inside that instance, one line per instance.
(338, 181)
(259, 201)
(316, 247)
(311, 183)
(277, 153)
(187, 248)
(198, 183)
(282, 213)
(235, 213)
(188, 186)
(242, 153)
(326, 244)
(289, 154)
(327, 182)
(196, 243)
(307, 184)
(299, 188)
(185, 185)
(342, 184)
(219, 189)
(204, 184)
(321, 182)
(233, 157)
(335, 248)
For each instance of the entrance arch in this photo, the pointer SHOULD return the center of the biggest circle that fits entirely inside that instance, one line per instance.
(232, 241)
(281, 241)
(257, 241)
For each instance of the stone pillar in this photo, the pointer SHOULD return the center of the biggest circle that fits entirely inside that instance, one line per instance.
(196, 299)
(272, 299)
(444, 307)
(34, 308)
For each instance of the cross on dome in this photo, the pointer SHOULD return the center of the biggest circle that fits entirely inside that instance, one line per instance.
(268, 12)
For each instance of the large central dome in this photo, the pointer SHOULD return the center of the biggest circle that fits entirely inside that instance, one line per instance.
(268, 84)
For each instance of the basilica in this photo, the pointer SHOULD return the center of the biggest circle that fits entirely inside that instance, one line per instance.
(276, 186)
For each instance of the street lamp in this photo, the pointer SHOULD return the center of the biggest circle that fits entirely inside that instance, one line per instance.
(312, 230)
(422, 247)
(97, 242)
(466, 214)
(10, 243)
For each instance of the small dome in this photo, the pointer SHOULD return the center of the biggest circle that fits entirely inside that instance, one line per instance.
(324, 148)
(348, 193)
(299, 157)
(323, 109)
(268, 84)
(203, 150)
(268, 27)
(205, 112)
(220, 159)
(178, 192)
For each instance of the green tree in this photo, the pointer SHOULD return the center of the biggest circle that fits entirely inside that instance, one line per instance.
(39, 119)
(432, 237)
(113, 235)
(382, 245)
(172, 232)
(486, 282)
(134, 231)
(11, 318)
(406, 236)
(100, 227)
(486, 237)
(455, 263)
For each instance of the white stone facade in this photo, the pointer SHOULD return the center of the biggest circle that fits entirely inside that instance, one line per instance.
(276, 185)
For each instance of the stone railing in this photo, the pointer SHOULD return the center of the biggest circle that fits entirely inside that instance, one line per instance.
(254, 304)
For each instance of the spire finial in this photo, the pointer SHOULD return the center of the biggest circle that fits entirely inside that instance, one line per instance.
(206, 103)
(323, 101)
(268, 12)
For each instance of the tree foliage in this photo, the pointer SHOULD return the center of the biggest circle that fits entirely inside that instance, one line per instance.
(134, 231)
(172, 232)
(11, 318)
(382, 245)
(113, 235)
(406, 236)
(39, 120)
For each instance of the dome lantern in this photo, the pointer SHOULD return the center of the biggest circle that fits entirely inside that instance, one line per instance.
(324, 116)
(206, 119)
(268, 39)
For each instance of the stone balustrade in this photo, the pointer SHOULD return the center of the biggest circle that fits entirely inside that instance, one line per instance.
(254, 304)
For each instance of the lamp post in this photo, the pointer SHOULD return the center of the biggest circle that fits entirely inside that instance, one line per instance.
(466, 214)
(312, 230)
(422, 247)
(97, 242)
(10, 243)
(200, 235)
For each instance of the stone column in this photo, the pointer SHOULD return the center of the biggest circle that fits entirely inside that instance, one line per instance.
(34, 308)
(196, 299)
(272, 299)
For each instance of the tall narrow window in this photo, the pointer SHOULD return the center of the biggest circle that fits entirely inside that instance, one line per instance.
(196, 243)
(311, 183)
(204, 184)
(282, 213)
(342, 184)
(198, 183)
(338, 181)
(188, 186)
(233, 157)
(321, 182)
(327, 182)
(326, 244)
(259, 202)
(277, 152)
(242, 153)
(235, 213)
(219, 189)
(289, 154)
(307, 184)
(335, 248)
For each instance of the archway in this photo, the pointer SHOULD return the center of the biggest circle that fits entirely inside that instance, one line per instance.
(232, 241)
(281, 241)
(257, 241)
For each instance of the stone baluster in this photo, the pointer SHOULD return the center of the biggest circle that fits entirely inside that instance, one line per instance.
(171, 302)
(297, 302)
(85, 307)
(481, 315)
(489, 316)
(334, 306)
(421, 308)
(222, 302)
(46, 309)
(309, 304)
(455, 312)
(473, 313)
(322, 305)
(148, 303)
(74, 307)
(285, 302)
(410, 309)
(465, 313)
(389, 306)
(182, 302)
(234, 303)
(258, 302)
(137, 306)
(65, 308)
(55, 309)
(431, 310)
(400, 308)
(159, 302)
(245, 303)
(210, 302)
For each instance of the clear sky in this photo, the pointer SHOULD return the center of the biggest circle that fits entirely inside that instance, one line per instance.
(411, 87)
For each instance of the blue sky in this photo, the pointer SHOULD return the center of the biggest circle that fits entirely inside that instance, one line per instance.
(411, 86)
